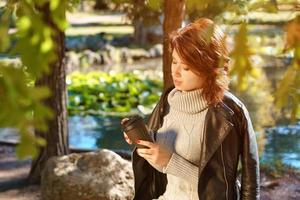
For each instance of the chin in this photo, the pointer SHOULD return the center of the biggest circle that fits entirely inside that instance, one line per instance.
(178, 87)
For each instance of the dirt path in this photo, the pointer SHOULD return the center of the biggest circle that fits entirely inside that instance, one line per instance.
(13, 175)
(13, 186)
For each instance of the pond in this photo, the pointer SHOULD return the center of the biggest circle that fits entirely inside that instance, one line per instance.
(88, 132)
(283, 145)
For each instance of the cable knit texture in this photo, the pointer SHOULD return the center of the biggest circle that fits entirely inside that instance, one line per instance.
(182, 133)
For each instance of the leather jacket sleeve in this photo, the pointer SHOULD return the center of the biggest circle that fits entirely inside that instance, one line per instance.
(250, 162)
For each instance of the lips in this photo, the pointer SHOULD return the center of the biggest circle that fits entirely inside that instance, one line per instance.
(176, 82)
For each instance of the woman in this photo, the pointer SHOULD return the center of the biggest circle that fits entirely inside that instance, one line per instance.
(199, 128)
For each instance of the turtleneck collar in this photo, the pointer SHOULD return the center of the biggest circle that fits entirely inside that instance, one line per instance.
(190, 102)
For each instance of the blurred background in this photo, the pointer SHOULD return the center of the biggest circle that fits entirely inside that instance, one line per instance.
(110, 61)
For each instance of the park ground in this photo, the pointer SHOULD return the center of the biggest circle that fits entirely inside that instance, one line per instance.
(13, 173)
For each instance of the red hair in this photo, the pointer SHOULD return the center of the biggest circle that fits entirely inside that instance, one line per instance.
(201, 46)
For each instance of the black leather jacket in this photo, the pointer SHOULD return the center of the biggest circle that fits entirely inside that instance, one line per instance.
(228, 137)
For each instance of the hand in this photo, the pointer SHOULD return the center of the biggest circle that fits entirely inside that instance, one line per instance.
(127, 138)
(123, 121)
(155, 154)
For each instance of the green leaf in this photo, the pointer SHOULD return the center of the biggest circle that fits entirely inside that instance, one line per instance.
(24, 23)
(27, 146)
(240, 55)
(4, 25)
(41, 93)
(47, 45)
(154, 4)
(54, 4)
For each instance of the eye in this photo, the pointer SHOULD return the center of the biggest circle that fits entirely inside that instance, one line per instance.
(186, 68)
(174, 62)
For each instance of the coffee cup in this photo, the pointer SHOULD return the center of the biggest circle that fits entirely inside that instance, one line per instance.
(136, 129)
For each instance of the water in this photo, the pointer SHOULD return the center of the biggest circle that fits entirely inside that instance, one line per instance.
(282, 142)
(88, 132)
(283, 145)
(91, 133)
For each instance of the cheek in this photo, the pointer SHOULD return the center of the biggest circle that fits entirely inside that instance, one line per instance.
(197, 81)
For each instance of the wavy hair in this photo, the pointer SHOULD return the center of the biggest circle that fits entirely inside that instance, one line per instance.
(201, 45)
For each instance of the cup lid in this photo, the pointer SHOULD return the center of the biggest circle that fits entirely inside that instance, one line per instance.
(130, 121)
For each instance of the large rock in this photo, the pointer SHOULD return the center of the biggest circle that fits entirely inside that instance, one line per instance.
(101, 175)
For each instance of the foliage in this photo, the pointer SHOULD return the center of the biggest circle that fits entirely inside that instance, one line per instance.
(288, 92)
(21, 101)
(241, 53)
(259, 101)
(242, 67)
(104, 93)
(36, 47)
(213, 8)
(147, 12)
(34, 39)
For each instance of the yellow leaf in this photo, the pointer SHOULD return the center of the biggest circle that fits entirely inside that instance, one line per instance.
(154, 4)
(47, 45)
(27, 146)
(24, 23)
(41, 141)
(292, 33)
(54, 4)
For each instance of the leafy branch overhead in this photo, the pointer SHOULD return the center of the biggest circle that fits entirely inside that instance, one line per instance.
(288, 92)
(241, 53)
(36, 48)
(33, 42)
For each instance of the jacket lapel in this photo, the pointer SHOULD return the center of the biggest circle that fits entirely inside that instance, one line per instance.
(217, 126)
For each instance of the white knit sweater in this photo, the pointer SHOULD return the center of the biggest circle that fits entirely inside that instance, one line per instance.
(181, 133)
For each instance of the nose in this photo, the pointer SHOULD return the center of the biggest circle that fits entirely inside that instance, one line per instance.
(175, 70)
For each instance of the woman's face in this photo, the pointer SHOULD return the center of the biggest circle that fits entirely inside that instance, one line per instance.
(183, 77)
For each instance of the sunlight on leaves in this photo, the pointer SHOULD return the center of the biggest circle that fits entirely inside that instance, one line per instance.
(4, 25)
(36, 48)
(241, 67)
(288, 91)
(154, 4)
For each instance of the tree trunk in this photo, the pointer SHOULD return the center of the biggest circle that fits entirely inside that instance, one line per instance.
(57, 134)
(140, 34)
(138, 22)
(173, 16)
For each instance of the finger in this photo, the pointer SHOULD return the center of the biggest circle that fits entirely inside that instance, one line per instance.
(123, 121)
(144, 151)
(128, 141)
(146, 156)
(127, 138)
(146, 143)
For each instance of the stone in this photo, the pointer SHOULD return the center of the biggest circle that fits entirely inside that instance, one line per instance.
(93, 58)
(156, 51)
(100, 175)
(72, 60)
